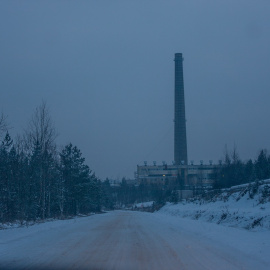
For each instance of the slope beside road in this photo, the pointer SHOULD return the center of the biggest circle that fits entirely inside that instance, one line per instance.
(132, 240)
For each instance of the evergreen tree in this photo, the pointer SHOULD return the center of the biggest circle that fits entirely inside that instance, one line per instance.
(37, 182)
(262, 166)
(81, 188)
(107, 194)
(249, 173)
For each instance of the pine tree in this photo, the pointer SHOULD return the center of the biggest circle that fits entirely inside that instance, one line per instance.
(262, 166)
(82, 191)
(249, 173)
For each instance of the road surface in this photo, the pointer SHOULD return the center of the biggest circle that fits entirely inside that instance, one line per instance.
(120, 240)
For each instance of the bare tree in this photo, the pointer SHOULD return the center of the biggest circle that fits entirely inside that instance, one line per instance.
(41, 130)
(3, 123)
(40, 142)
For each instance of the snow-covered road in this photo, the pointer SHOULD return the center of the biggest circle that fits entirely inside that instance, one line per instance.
(133, 240)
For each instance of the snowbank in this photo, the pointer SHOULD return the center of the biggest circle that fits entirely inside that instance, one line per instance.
(24, 223)
(246, 206)
(144, 204)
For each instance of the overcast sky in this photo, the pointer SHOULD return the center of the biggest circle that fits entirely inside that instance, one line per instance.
(106, 71)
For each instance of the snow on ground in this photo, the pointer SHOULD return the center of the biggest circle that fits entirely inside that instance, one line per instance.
(245, 206)
(143, 204)
(127, 240)
(165, 239)
(24, 223)
(243, 243)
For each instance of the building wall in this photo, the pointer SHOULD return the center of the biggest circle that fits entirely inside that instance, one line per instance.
(191, 175)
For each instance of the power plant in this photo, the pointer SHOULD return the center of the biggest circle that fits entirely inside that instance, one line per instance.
(190, 175)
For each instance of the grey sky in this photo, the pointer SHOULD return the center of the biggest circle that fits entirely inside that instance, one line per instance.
(106, 70)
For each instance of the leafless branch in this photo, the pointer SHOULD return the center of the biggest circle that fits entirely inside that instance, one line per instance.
(3, 123)
(41, 129)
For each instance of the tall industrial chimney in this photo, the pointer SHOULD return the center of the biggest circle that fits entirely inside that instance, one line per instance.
(180, 137)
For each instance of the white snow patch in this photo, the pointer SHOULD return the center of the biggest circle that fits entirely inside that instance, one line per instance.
(245, 206)
(144, 204)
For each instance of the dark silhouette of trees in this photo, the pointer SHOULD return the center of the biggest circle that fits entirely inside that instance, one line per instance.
(236, 172)
(262, 165)
(80, 188)
(37, 181)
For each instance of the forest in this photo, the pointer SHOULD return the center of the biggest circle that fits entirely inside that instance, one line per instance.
(234, 171)
(40, 180)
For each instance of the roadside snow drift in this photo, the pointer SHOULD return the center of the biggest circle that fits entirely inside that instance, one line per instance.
(246, 206)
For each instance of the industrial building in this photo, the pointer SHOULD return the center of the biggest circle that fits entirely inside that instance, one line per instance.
(202, 176)
(189, 175)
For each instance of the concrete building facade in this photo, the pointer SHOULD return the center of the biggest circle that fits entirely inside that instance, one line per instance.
(189, 175)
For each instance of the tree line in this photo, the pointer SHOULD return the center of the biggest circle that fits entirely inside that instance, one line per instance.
(126, 194)
(234, 171)
(38, 181)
